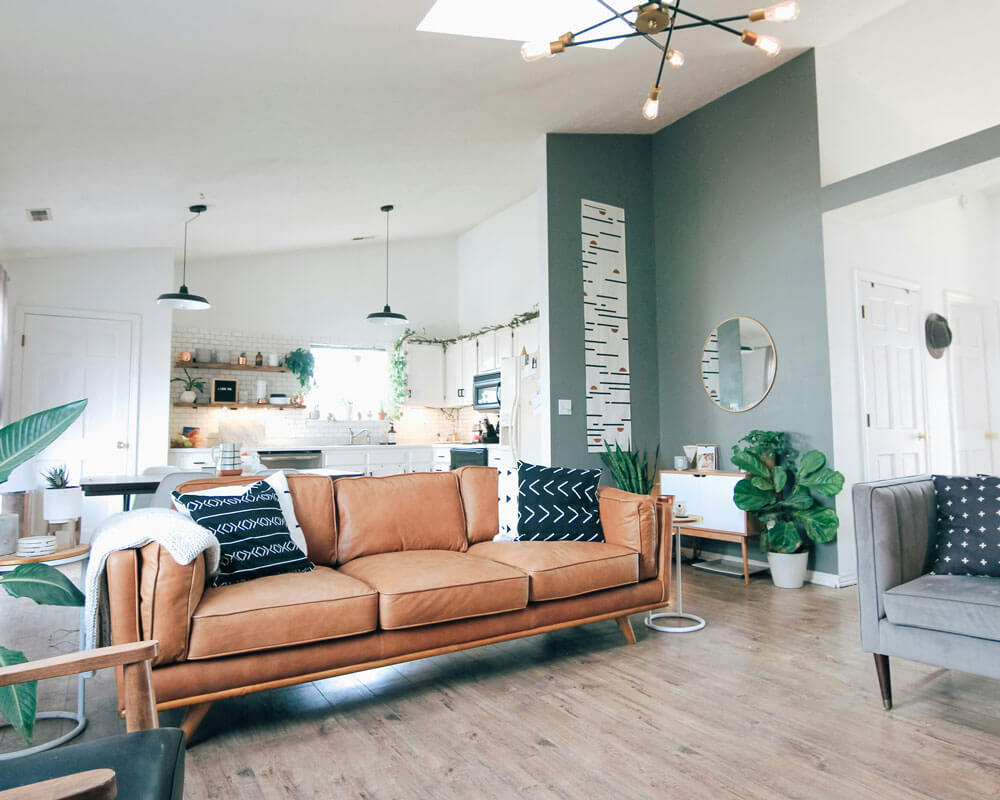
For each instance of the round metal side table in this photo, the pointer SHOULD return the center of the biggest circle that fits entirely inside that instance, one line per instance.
(651, 616)
(79, 554)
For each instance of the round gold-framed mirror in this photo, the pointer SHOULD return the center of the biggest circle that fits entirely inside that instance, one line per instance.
(738, 364)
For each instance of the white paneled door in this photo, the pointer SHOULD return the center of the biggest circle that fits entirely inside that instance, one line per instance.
(974, 372)
(891, 336)
(66, 357)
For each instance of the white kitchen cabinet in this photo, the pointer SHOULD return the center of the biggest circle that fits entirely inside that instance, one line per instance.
(191, 459)
(441, 456)
(453, 375)
(526, 338)
(425, 375)
(487, 355)
(349, 460)
(505, 344)
(470, 362)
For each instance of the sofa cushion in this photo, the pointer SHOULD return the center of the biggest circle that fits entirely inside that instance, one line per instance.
(564, 569)
(479, 498)
(280, 611)
(557, 504)
(968, 525)
(421, 511)
(421, 587)
(963, 604)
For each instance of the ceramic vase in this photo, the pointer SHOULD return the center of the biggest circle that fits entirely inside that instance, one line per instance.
(62, 505)
(189, 396)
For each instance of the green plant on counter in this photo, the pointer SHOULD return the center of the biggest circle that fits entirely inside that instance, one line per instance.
(302, 364)
(19, 442)
(190, 384)
(57, 477)
(398, 381)
(630, 468)
(780, 493)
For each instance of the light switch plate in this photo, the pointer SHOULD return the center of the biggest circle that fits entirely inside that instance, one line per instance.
(565, 407)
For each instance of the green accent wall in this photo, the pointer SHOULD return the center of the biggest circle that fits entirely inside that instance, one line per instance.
(737, 210)
(610, 169)
(723, 219)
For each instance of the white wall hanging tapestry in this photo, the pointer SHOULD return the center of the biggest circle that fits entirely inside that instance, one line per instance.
(605, 324)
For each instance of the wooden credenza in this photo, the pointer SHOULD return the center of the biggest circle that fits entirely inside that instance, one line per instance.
(710, 496)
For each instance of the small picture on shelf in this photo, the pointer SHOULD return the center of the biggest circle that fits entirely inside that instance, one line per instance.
(225, 390)
(707, 457)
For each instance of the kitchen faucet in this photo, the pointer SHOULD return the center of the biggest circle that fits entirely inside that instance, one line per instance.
(356, 435)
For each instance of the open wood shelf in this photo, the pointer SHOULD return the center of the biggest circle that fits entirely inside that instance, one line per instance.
(236, 405)
(236, 367)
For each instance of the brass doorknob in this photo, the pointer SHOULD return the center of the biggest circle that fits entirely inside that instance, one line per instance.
(922, 436)
(991, 435)
(121, 445)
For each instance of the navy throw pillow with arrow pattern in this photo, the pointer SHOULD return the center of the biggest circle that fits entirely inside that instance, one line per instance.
(557, 504)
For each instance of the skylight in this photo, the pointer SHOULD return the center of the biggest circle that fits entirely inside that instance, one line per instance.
(521, 20)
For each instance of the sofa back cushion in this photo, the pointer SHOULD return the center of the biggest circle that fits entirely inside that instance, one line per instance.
(420, 511)
(312, 498)
(479, 497)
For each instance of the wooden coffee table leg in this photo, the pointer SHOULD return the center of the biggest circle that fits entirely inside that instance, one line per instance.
(746, 564)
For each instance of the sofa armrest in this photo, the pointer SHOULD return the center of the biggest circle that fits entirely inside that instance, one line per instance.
(168, 595)
(629, 520)
(895, 527)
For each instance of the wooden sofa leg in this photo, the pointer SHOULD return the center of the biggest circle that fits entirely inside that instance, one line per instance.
(884, 682)
(192, 719)
(626, 627)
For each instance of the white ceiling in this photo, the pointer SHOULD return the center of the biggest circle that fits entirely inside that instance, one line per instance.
(299, 119)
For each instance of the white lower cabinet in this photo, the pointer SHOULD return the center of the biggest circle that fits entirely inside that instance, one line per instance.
(380, 461)
(191, 459)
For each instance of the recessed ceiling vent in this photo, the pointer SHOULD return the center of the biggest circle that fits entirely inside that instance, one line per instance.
(39, 214)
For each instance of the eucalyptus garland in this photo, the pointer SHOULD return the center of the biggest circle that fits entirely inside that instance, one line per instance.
(516, 321)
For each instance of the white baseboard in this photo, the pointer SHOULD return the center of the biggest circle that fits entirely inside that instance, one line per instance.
(812, 576)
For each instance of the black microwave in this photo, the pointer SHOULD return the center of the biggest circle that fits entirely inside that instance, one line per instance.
(486, 391)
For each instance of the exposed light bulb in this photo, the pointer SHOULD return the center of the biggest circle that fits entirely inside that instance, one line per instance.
(651, 108)
(766, 44)
(675, 57)
(779, 12)
(532, 51)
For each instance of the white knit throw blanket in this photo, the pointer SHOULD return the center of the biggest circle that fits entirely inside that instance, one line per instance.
(183, 538)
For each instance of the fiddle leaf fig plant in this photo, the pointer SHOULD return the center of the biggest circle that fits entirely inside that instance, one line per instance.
(782, 495)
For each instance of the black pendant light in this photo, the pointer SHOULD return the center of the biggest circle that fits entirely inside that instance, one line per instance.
(387, 316)
(182, 298)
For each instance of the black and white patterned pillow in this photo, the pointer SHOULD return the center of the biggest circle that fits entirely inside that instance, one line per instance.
(253, 537)
(506, 505)
(557, 504)
(968, 525)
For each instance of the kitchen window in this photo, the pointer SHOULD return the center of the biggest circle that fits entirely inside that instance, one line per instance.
(350, 381)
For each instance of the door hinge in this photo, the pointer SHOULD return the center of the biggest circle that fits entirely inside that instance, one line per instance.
(862, 311)
(868, 420)
(22, 340)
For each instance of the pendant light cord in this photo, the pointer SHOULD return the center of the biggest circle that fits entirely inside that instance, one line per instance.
(387, 259)
(184, 261)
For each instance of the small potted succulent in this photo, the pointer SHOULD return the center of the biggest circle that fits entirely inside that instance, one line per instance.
(191, 387)
(60, 501)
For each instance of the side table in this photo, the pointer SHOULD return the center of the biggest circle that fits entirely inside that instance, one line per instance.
(79, 554)
(651, 616)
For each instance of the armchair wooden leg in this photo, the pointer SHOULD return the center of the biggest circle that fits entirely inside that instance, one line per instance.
(626, 627)
(192, 719)
(884, 682)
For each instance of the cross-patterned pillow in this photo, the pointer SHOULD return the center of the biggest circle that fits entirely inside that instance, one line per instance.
(557, 504)
(253, 537)
(968, 525)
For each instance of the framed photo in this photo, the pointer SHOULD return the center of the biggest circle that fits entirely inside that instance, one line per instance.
(225, 390)
(706, 457)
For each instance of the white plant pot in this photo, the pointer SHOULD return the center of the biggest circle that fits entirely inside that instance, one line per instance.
(788, 570)
(62, 505)
(189, 397)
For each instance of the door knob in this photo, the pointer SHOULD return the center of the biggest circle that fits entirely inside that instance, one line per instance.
(991, 435)
(121, 445)
(922, 436)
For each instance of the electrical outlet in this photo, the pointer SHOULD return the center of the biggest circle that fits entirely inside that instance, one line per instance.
(565, 407)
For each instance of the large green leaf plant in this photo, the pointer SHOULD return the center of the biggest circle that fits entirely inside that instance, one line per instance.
(19, 442)
(783, 495)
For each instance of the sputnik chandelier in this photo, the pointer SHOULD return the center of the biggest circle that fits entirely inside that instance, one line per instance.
(651, 19)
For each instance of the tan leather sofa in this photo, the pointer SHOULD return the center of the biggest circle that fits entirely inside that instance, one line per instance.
(405, 568)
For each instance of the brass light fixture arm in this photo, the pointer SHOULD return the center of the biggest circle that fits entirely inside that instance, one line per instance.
(700, 22)
(622, 17)
(666, 47)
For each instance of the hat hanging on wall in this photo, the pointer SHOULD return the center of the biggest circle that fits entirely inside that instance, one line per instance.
(938, 334)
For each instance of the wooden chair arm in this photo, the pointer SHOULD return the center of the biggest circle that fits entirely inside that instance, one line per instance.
(134, 657)
(82, 661)
(94, 784)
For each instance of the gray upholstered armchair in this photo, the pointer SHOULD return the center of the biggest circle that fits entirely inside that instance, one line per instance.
(950, 621)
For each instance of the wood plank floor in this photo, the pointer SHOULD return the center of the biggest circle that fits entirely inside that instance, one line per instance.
(772, 699)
